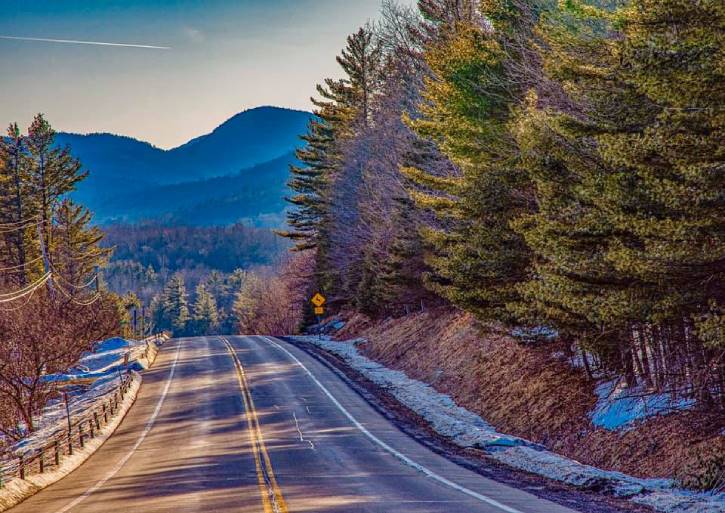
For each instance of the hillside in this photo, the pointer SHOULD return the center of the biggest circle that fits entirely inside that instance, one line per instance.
(254, 196)
(540, 395)
(126, 175)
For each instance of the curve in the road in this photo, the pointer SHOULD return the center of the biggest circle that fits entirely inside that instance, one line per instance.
(400, 456)
(193, 443)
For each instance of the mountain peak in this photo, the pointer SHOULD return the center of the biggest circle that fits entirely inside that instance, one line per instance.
(121, 165)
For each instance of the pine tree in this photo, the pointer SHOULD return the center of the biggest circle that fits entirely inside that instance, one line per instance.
(671, 53)
(53, 172)
(401, 274)
(170, 308)
(206, 319)
(17, 213)
(629, 231)
(76, 254)
(344, 107)
(476, 258)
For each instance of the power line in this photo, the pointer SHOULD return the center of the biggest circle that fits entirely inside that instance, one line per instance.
(21, 266)
(87, 302)
(22, 221)
(25, 303)
(57, 274)
(14, 296)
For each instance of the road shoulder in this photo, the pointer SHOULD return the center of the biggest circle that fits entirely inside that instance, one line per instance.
(475, 460)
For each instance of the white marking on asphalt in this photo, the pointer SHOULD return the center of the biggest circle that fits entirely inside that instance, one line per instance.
(144, 433)
(302, 438)
(400, 456)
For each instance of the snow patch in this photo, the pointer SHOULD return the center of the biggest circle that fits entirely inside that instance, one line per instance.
(466, 428)
(95, 376)
(619, 406)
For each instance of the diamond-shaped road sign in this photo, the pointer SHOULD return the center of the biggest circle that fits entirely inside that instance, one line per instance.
(318, 300)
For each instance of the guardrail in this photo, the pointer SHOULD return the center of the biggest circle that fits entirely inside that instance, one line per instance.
(64, 441)
(76, 433)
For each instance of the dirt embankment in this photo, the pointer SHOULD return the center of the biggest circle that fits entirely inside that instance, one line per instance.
(530, 393)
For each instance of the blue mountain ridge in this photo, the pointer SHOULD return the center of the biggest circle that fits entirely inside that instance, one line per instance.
(237, 172)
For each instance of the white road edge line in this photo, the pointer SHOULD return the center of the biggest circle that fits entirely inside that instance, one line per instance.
(402, 457)
(149, 424)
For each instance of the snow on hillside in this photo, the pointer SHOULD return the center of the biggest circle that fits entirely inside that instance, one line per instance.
(96, 374)
(619, 406)
(470, 430)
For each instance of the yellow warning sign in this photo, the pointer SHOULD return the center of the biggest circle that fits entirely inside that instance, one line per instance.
(319, 310)
(318, 300)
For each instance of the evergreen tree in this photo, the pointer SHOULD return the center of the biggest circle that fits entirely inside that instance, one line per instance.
(53, 173)
(206, 318)
(76, 254)
(170, 308)
(629, 231)
(17, 213)
(344, 107)
(477, 259)
(402, 272)
(671, 55)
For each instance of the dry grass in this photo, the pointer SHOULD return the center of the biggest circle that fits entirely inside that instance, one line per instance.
(527, 392)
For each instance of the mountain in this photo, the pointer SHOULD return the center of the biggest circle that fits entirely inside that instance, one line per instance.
(254, 196)
(252, 150)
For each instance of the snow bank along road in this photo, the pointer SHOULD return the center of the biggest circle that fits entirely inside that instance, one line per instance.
(253, 424)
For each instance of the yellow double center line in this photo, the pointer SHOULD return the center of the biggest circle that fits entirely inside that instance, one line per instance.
(271, 493)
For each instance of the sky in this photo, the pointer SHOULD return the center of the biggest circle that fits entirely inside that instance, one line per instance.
(196, 63)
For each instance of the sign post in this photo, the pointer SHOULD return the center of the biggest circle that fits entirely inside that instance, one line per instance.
(318, 300)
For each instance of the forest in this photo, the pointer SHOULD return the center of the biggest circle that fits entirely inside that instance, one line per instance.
(554, 168)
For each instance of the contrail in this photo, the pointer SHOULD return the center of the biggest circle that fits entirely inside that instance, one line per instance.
(74, 42)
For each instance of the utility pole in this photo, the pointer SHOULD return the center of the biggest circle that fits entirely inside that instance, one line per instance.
(44, 252)
(135, 322)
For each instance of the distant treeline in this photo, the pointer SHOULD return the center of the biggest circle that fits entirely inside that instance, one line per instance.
(168, 249)
(159, 263)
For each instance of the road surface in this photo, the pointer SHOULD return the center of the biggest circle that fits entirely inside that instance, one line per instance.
(254, 424)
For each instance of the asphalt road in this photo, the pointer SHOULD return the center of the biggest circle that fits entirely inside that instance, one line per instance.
(253, 424)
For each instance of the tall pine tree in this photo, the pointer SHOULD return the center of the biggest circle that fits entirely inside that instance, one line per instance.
(629, 228)
(344, 107)
(477, 259)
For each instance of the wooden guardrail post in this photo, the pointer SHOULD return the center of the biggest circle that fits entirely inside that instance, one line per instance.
(57, 453)
(41, 460)
(95, 421)
(70, 443)
(21, 462)
(81, 440)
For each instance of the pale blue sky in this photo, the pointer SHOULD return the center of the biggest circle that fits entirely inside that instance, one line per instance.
(225, 56)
